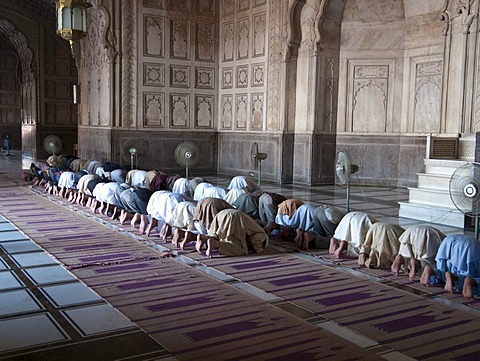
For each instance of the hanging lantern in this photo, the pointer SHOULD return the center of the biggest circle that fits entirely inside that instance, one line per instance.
(72, 19)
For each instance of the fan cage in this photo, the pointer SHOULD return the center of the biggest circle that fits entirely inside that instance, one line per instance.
(464, 189)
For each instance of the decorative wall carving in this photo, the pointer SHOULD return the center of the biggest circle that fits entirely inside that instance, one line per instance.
(369, 101)
(242, 76)
(243, 36)
(228, 40)
(257, 111)
(258, 74)
(428, 96)
(274, 65)
(154, 36)
(228, 7)
(204, 105)
(180, 39)
(329, 97)
(259, 2)
(243, 5)
(205, 7)
(180, 5)
(153, 74)
(241, 112)
(180, 76)
(259, 27)
(129, 63)
(154, 110)
(155, 4)
(227, 112)
(205, 78)
(227, 78)
(179, 110)
(205, 42)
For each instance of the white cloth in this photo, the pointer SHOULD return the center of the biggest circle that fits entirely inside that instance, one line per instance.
(67, 180)
(353, 229)
(215, 192)
(421, 242)
(181, 186)
(200, 190)
(182, 216)
(233, 194)
(244, 183)
(162, 203)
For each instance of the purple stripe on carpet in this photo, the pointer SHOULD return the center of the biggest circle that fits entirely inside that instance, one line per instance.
(222, 330)
(406, 322)
(107, 257)
(95, 246)
(422, 333)
(156, 282)
(295, 280)
(75, 236)
(180, 303)
(254, 265)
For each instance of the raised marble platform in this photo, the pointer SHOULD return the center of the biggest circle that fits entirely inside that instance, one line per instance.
(430, 201)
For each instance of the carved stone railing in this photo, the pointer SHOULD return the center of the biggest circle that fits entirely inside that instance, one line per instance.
(461, 147)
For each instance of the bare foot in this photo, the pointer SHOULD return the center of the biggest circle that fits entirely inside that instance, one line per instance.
(333, 246)
(468, 285)
(135, 220)
(368, 263)
(143, 223)
(425, 277)
(201, 240)
(307, 238)
(414, 266)
(165, 231)
(116, 213)
(397, 263)
(189, 237)
(179, 234)
(340, 249)
(450, 283)
(212, 244)
(362, 257)
(151, 226)
(299, 238)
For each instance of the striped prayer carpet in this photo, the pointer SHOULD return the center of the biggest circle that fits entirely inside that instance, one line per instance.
(192, 315)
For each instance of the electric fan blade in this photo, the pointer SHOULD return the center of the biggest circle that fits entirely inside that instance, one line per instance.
(464, 188)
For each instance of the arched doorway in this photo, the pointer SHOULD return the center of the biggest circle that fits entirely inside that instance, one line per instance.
(10, 95)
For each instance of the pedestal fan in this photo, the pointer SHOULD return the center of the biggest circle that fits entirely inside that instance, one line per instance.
(187, 155)
(464, 188)
(343, 170)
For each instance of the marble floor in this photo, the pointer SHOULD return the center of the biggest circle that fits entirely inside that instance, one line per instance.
(47, 304)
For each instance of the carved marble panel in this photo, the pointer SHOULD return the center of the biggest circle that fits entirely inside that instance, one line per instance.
(259, 2)
(205, 78)
(242, 76)
(259, 27)
(205, 7)
(180, 76)
(228, 7)
(258, 74)
(243, 5)
(204, 49)
(180, 5)
(154, 110)
(257, 111)
(241, 111)
(369, 98)
(180, 39)
(153, 74)
(227, 78)
(179, 110)
(204, 105)
(428, 96)
(227, 112)
(155, 4)
(228, 40)
(243, 36)
(154, 30)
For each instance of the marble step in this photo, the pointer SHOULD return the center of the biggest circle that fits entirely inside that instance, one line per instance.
(433, 181)
(432, 197)
(437, 215)
(442, 166)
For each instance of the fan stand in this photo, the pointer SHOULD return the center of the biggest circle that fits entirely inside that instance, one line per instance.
(348, 197)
